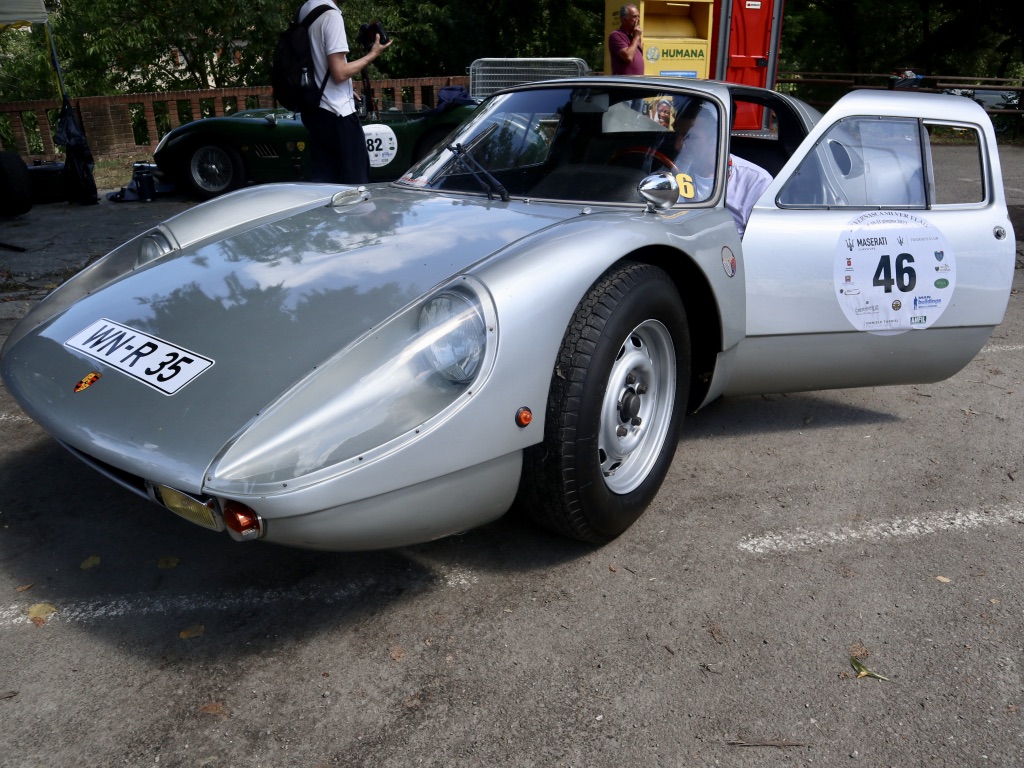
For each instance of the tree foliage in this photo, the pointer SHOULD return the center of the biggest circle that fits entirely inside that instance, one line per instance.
(945, 37)
(125, 46)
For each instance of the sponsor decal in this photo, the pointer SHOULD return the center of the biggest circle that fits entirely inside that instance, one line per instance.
(381, 143)
(87, 381)
(883, 289)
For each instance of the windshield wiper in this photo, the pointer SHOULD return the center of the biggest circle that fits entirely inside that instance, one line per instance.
(483, 177)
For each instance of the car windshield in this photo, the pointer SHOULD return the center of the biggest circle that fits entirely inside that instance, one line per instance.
(581, 144)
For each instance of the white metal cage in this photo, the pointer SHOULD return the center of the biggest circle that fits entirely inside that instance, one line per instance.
(489, 75)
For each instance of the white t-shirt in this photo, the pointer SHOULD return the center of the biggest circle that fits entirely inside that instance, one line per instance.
(326, 36)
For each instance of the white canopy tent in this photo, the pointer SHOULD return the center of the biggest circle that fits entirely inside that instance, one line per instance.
(21, 13)
(24, 13)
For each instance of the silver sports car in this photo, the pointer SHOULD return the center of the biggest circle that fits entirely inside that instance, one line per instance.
(525, 317)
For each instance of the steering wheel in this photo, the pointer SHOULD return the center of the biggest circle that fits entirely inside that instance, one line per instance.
(661, 157)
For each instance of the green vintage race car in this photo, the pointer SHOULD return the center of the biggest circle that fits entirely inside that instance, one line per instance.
(216, 155)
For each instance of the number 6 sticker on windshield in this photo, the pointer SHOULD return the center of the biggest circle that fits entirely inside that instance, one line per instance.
(894, 272)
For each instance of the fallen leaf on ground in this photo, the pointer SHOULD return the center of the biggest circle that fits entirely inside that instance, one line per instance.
(25, 587)
(196, 630)
(8, 694)
(90, 562)
(858, 651)
(214, 708)
(167, 562)
(863, 671)
(40, 612)
(943, 579)
(397, 653)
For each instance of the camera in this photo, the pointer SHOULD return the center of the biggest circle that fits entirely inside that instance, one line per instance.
(367, 33)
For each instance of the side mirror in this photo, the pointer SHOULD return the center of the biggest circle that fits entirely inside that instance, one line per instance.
(271, 118)
(660, 190)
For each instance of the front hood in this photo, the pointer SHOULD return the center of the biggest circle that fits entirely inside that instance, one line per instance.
(266, 304)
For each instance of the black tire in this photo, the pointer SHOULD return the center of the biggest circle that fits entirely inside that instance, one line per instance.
(15, 185)
(616, 405)
(213, 169)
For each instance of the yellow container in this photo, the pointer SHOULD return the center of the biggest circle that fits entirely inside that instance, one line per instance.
(677, 36)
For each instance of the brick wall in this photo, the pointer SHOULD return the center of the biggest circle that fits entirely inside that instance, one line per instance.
(28, 126)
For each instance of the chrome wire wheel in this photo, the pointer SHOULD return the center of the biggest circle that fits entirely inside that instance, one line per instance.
(637, 407)
(213, 170)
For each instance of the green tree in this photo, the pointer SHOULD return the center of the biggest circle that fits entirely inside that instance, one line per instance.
(25, 69)
(946, 37)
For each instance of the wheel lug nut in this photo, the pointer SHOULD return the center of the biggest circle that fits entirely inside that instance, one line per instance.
(641, 390)
(635, 421)
(621, 430)
(630, 379)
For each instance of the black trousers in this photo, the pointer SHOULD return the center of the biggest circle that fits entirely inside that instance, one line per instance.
(337, 148)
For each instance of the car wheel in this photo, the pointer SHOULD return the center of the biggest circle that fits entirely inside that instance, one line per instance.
(15, 185)
(615, 408)
(213, 170)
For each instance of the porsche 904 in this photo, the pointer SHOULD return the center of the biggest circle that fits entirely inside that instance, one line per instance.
(526, 316)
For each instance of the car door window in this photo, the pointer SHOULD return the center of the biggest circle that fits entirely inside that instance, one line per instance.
(956, 157)
(862, 162)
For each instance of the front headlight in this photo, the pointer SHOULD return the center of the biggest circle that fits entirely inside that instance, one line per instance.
(152, 246)
(389, 387)
(458, 337)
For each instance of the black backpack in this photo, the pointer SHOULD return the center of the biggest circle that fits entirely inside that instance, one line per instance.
(291, 73)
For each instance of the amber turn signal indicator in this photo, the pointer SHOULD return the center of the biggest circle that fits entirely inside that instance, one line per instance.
(241, 521)
(523, 417)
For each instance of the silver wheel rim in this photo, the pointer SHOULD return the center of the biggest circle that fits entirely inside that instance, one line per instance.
(211, 169)
(637, 407)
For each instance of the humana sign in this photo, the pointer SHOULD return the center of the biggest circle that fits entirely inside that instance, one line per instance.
(682, 53)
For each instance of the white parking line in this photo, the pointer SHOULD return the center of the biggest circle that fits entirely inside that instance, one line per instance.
(1003, 348)
(940, 522)
(134, 606)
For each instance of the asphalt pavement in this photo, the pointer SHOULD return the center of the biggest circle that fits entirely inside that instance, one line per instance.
(825, 579)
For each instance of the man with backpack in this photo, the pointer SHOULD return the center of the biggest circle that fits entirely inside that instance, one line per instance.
(337, 148)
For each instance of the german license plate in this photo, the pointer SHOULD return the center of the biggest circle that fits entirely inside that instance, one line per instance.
(164, 366)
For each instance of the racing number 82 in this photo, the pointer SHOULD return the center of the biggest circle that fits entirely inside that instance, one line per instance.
(374, 144)
(906, 277)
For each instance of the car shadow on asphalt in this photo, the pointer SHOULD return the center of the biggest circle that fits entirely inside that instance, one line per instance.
(117, 566)
(763, 414)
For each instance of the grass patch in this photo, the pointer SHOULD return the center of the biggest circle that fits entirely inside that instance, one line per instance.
(116, 172)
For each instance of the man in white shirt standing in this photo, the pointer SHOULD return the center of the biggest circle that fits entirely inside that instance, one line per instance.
(337, 148)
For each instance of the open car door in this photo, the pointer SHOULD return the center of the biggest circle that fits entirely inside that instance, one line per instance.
(882, 253)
